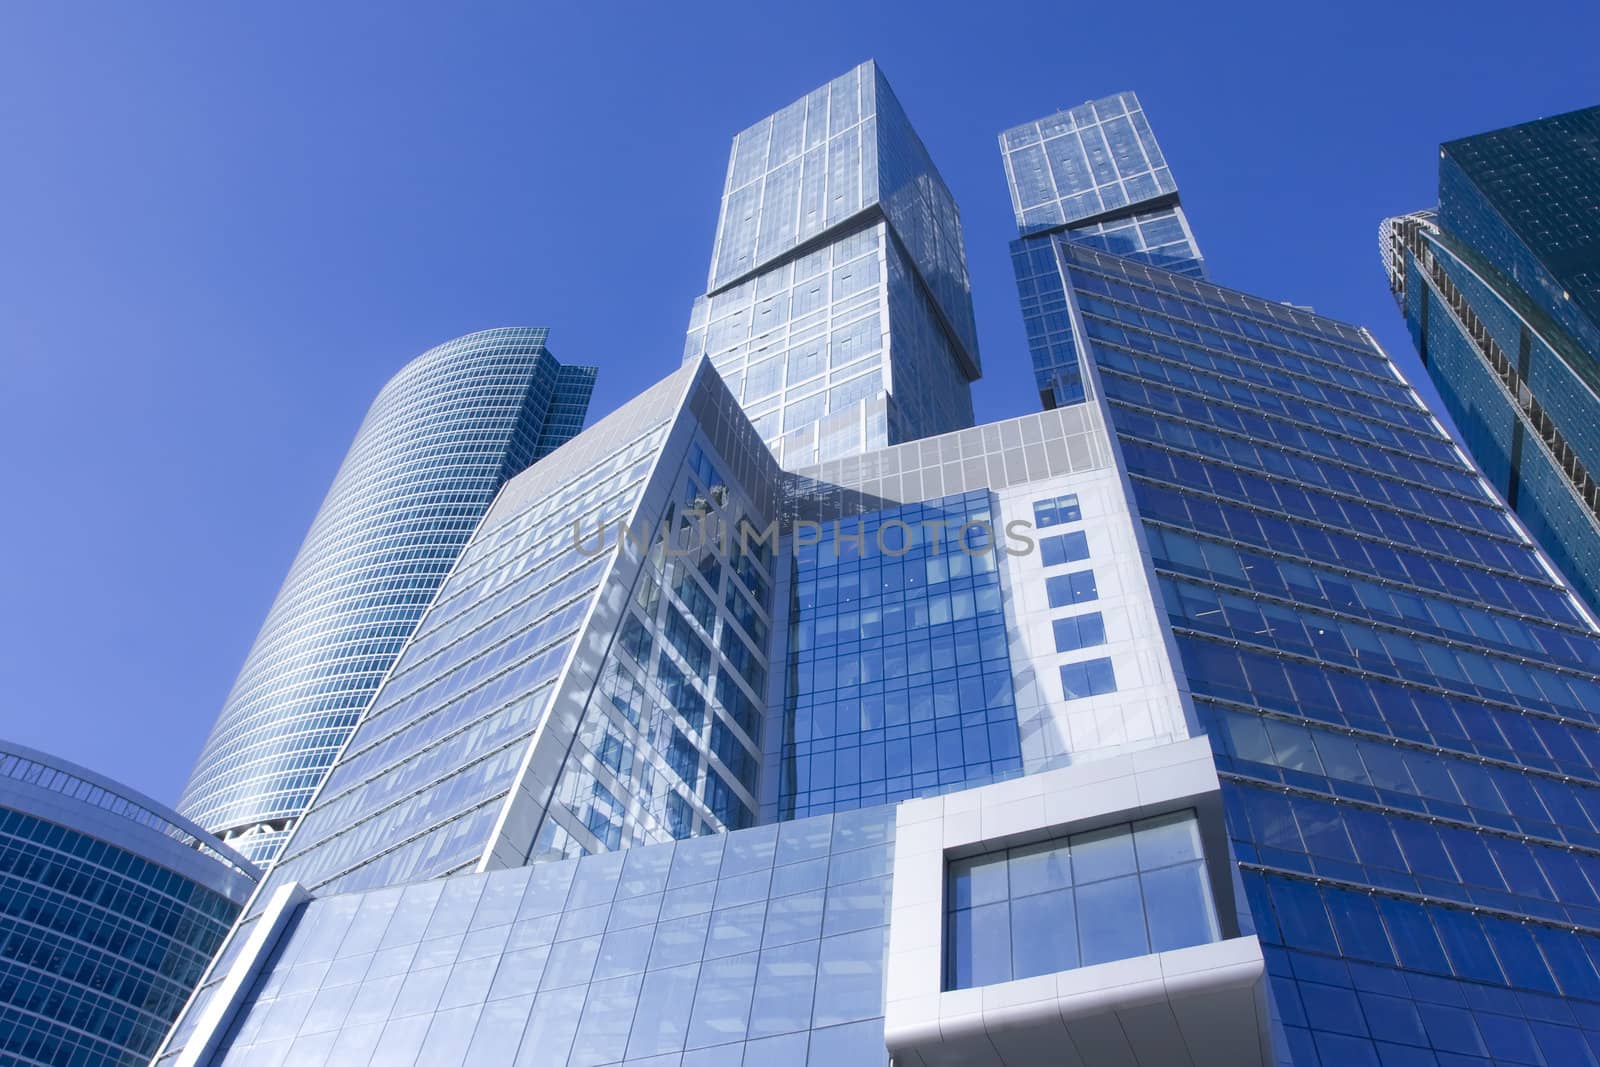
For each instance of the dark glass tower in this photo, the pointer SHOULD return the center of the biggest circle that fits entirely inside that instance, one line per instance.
(1501, 290)
(440, 439)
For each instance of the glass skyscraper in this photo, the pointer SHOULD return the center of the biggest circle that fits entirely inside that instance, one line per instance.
(837, 308)
(111, 905)
(438, 442)
(1095, 175)
(1219, 717)
(1500, 287)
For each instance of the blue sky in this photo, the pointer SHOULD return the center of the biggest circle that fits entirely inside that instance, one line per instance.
(226, 226)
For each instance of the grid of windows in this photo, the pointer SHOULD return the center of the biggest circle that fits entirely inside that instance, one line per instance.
(1402, 702)
(1518, 387)
(683, 729)
(440, 439)
(439, 747)
(760, 946)
(899, 667)
(1093, 897)
(807, 342)
(1094, 175)
(100, 946)
(1091, 160)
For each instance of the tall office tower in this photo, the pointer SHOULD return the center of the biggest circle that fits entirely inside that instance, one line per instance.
(1399, 689)
(1501, 289)
(1095, 175)
(111, 905)
(441, 438)
(1222, 718)
(837, 307)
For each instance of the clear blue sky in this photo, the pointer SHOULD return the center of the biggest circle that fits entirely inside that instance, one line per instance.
(225, 226)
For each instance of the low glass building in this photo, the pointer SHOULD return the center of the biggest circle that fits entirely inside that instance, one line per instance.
(111, 905)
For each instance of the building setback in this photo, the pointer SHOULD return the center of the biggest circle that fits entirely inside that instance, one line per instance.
(837, 308)
(1094, 175)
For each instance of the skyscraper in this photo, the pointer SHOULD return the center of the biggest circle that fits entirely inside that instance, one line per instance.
(1221, 717)
(837, 306)
(1094, 175)
(1399, 690)
(111, 905)
(438, 442)
(1501, 290)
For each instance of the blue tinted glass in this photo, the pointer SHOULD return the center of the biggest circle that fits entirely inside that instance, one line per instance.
(978, 946)
(1063, 548)
(1057, 510)
(1087, 679)
(1064, 590)
(1080, 631)
(1178, 904)
(1044, 936)
(1111, 920)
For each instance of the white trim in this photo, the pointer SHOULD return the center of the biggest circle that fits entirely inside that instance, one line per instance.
(1206, 1005)
(217, 1016)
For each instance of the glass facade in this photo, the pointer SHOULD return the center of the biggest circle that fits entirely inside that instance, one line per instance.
(1218, 714)
(838, 309)
(1501, 290)
(760, 947)
(110, 908)
(1523, 198)
(1095, 175)
(1140, 888)
(899, 666)
(669, 745)
(442, 742)
(1400, 695)
(440, 439)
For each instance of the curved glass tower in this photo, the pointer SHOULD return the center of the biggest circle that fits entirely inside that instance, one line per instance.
(438, 442)
(110, 907)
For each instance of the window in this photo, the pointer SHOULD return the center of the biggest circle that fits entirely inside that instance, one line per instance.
(1087, 679)
(1057, 511)
(688, 643)
(635, 639)
(693, 597)
(1097, 896)
(681, 696)
(1066, 589)
(1080, 631)
(1064, 548)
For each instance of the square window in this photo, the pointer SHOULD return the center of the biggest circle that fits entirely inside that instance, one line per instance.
(1064, 590)
(1064, 548)
(1056, 511)
(1080, 631)
(1090, 678)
